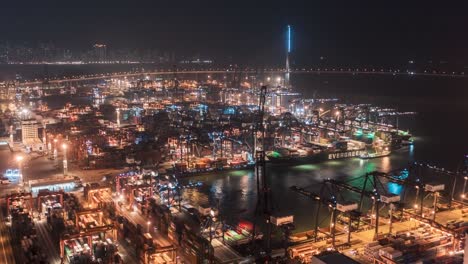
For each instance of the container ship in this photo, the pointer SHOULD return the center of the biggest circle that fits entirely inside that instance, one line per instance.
(315, 153)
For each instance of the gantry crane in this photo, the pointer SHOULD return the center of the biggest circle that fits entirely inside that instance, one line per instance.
(335, 206)
(263, 207)
(379, 196)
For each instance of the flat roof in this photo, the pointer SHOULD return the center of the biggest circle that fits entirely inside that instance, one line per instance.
(33, 141)
(332, 258)
(44, 182)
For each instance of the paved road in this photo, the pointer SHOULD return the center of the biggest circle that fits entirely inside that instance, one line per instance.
(49, 247)
(137, 218)
(42, 168)
(7, 254)
(6, 250)
(128, 256)
(224, 252)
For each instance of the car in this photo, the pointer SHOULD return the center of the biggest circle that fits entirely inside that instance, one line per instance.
(5, 181)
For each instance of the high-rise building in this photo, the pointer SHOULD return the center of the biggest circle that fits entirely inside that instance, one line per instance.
(100, 52)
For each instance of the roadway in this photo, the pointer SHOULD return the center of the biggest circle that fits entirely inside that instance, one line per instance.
(7, 254)
(221, 251)
(224, 253)
(48, 246)
(136, 218)
(41, 167)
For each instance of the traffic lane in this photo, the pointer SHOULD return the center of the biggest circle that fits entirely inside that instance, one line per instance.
(48, 245)
(40, 168)
(137, 218)
(224, 252)
(5, 241)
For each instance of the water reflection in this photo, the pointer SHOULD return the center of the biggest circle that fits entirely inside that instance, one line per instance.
(307, 167)
(386, 164)
(394, 188)
(236, 190)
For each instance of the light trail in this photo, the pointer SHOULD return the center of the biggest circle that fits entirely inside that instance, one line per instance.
(247, 71)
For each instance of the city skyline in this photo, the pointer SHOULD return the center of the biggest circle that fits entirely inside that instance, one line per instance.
(342, 33)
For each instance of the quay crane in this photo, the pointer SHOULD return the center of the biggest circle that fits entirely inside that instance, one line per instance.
(349, 208)
(176, 189)
(262, 209)
(413, 178)
(379, 196)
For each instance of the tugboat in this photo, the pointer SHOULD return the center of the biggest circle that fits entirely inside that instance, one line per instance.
(401, 140)
(367, 155)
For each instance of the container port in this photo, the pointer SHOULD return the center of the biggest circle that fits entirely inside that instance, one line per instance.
(228, 165)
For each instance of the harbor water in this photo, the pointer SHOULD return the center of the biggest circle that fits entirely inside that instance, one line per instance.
(440, 129)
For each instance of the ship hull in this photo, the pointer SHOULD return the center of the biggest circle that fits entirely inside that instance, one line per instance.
(316, 158)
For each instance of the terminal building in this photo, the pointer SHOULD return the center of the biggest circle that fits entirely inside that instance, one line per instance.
(66, 183)
(280, 101)
(7, 90)
(30, 135)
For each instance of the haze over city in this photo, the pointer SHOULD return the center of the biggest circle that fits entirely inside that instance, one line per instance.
(340, 32)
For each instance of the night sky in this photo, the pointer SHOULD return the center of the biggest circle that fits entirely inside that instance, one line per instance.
(343, 32)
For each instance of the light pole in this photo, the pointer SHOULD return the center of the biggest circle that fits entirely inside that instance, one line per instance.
(65, 162)
(337, 114)
(148, 225)
(118, 117)
(464, 187)
(44, 137)
(49, 147)
(278, 80)
(19, 159)
(11, 135)
(55, 148)
(416, 197)
(212, 218)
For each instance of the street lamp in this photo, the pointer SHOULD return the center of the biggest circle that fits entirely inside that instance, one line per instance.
(11, 135)
(118, 116)
(55, 148)
(19, 159)
(464, 187)
(416, 197)
(148, 224)
(44, 136)
(65, 162)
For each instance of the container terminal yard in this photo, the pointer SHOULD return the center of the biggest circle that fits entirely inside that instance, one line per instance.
(106, 177)
(184, 133)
